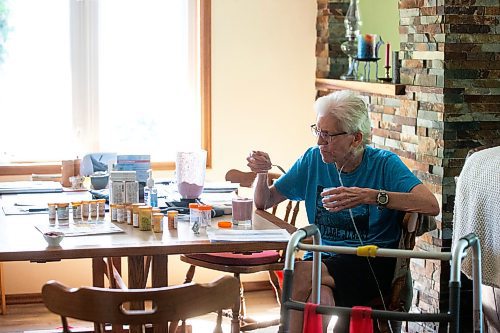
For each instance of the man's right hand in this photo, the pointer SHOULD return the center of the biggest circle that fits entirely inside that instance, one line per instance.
(259, 161)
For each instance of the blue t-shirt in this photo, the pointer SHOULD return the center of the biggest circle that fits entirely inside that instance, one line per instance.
(379, 169)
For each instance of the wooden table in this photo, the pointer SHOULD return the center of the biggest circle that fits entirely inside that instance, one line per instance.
(21, 241)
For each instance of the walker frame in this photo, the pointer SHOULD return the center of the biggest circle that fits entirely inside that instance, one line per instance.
(455, 257)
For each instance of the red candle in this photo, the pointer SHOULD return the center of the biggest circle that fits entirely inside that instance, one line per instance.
(387, 52)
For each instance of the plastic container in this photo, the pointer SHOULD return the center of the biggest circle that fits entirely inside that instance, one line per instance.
(205, 212)
(150, 191)
(158, 222)
(52, 213)
(77, 210)
(145, 218)
(129, 214)
(85, 209)
(63, 213)
(120, 213)
(93, 209)
(172, 219)
(112, 210)
(135, 214)
(101, 208)
(194, 217)
(190, 170)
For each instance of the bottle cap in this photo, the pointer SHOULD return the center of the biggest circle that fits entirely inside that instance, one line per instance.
(225, 224)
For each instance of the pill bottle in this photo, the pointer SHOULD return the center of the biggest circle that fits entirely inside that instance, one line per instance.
(120, 213)
(93, 209)
(85, 209)
(205, 212)
(158, 222)
(101, 208)
(135, 214)
(193, 212)
(128, 214)
(63, 213)
(172, 219)
(145, 218)
(194, 218)
(112, 210)
(77, 210)
(52, 212)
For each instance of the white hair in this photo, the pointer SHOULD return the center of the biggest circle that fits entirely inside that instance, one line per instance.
(348, 109)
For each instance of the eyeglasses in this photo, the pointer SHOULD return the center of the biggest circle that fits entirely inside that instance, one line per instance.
(324, 135)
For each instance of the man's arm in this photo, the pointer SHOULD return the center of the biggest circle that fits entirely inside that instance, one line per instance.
(265, 196)
(418, 200)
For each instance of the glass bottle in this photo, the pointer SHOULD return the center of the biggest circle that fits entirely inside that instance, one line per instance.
(352, 23)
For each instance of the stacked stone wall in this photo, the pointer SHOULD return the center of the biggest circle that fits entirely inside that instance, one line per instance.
(450, 64)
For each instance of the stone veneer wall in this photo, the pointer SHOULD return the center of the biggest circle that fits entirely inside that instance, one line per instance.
(450, 63)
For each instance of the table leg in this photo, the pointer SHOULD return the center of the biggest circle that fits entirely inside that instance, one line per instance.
(98, 272)
(159, 271)
(136, 279)
(159, 278)
(2, 292)
(98, 278)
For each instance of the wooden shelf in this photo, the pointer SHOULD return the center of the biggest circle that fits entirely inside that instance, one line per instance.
(368, 87)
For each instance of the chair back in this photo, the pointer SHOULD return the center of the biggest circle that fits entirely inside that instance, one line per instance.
(246, 179)
(140, 306)
(399, 299)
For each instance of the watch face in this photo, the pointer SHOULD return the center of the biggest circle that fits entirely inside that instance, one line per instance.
(382, 198)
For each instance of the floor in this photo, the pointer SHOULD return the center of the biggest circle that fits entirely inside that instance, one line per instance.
(261, 305)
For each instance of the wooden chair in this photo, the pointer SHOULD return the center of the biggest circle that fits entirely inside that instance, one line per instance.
(168, 304)
(246, 179)
(399, 299)
(245, 263)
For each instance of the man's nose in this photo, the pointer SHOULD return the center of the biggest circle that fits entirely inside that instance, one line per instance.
(321, 141)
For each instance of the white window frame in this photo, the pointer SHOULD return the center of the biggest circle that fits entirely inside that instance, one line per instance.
(85, 77)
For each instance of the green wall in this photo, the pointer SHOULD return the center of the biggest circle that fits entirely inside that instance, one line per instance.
(381, 17)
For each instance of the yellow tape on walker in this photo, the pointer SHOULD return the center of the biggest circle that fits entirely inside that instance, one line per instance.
(367, 251)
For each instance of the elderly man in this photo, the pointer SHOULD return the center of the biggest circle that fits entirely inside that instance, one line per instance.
(354, 193)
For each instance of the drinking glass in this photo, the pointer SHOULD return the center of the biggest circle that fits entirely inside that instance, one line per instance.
(242, 211)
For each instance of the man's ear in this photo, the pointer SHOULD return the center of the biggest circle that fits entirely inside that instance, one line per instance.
(358, 139)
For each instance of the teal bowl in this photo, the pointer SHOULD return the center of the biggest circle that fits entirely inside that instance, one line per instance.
(99, 182)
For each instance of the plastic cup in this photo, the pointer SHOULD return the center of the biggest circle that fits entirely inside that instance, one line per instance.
(190, 173)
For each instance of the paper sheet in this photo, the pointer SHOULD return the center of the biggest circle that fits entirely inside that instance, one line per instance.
(21, 204)
(81, 229)
(30, 187)
(235, 235)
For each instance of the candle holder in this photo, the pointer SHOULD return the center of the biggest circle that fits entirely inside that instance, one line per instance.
(366, 74)
(387, 78)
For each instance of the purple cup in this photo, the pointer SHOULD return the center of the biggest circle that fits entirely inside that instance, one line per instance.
(242, 211)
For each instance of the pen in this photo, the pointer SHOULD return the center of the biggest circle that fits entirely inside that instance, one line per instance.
(33, 210)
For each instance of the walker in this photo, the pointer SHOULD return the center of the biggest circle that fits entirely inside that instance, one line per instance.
(455, 257)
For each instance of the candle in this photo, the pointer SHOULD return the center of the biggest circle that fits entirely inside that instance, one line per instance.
(387, 52)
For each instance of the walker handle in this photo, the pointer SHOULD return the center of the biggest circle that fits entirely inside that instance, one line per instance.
(310, 230)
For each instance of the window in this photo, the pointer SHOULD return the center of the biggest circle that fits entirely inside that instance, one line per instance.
(122, 76)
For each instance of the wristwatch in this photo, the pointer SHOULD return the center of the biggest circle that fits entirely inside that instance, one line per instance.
(382, 199)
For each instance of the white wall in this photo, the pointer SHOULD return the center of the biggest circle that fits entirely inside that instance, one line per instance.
(263, 69)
